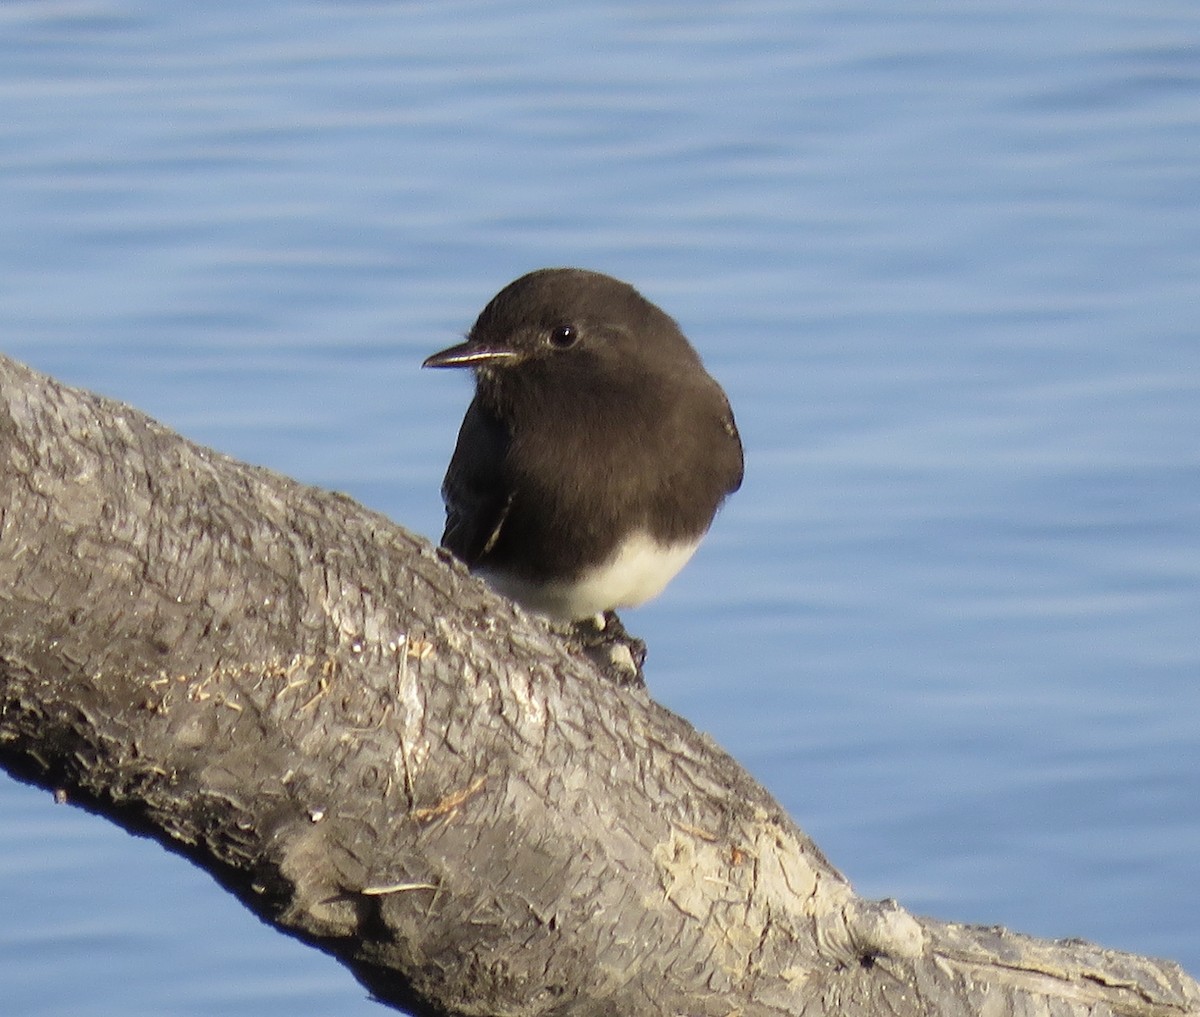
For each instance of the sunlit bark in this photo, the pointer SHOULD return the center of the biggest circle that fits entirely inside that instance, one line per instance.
(377, 755)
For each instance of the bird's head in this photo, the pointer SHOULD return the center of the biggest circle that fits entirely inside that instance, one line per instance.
(565, 320)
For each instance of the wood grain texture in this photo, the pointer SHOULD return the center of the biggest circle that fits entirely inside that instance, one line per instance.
(378, 755)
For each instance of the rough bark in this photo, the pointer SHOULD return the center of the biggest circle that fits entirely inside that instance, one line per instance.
(379, 756)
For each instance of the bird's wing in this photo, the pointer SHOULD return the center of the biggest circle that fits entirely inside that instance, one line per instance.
(733, 447)
(475, 491)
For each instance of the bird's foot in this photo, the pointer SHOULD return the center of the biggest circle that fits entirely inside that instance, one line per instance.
(605, 642)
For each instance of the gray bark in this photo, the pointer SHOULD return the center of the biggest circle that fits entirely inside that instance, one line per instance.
(378, 755)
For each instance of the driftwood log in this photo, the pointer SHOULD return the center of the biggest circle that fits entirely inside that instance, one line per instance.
(381, 757)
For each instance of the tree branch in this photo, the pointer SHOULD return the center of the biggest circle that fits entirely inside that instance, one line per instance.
(378, 755)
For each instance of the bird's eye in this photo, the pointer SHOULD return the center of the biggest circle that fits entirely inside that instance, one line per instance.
(564, 336)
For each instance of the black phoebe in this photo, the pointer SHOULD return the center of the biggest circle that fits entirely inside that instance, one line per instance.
(596, 451)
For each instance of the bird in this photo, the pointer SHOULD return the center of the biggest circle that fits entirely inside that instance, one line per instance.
(596, 450)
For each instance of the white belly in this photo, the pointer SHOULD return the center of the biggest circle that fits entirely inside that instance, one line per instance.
(638, 571)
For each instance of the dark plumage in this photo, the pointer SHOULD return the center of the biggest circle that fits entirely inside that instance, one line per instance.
(596, 451)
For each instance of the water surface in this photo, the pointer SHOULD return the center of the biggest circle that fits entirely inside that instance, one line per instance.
(945, 264)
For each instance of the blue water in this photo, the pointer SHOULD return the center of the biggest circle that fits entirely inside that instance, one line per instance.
(947, 266)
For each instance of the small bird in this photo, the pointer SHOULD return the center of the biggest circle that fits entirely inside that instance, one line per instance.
(595, 453)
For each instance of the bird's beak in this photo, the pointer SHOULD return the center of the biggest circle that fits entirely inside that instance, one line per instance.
(470, 354)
